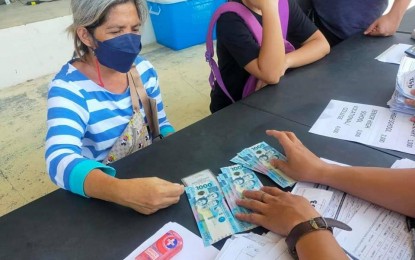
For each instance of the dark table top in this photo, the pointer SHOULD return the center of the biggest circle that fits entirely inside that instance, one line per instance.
(62, 225)
(349, 73)
(408, 21)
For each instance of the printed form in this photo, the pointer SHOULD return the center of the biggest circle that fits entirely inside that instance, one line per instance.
(367, 124)
(377, 233)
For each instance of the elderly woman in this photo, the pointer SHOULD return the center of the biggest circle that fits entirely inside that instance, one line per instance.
(91, 103)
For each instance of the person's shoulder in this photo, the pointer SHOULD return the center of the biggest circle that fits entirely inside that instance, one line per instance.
(69, 79)
(65, 75)
(228, 18)
(143, 65)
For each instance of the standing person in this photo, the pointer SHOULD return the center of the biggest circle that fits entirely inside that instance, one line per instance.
(240, 56)
(283, 212)
(340, 19)
(90, 104)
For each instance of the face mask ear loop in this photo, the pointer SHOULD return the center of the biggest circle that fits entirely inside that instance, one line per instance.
(100, 83)
(99, 73)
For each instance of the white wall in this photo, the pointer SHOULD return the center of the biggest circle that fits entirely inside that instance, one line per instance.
(37, 49)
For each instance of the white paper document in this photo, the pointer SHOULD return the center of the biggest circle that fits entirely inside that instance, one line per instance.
(394, 53)
(377, 233)
(367, 124)
(251, 246)
(318, 198)
(193, 247)
(403, 164)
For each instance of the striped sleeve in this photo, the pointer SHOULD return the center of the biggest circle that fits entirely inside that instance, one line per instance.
(67, 118)
(150, 81)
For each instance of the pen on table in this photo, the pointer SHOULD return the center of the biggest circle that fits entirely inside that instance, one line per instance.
(410, 222)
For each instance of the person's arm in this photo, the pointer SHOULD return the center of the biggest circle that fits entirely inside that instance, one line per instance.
(303, 33)
(387, 24)
(280, 212)
(69, 169)
(269, 65)
(313, 49)
(319, 245)
(390, 188)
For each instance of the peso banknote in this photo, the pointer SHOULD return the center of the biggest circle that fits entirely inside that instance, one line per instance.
(214, 219)
(241, 178)
(238, 179)
(263, 153)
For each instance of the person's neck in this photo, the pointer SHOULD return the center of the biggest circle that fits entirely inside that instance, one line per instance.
(251, 7)
(91, 60)
(108, 78)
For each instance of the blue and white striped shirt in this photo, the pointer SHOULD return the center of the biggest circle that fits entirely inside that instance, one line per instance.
(84, 120)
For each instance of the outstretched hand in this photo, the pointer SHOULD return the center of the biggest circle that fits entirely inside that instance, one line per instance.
(148, 195)
(275, 209)
(301, 164)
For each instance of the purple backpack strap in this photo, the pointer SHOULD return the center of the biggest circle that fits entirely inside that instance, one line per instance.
(251, 22)
(255, 28)
(284, 11)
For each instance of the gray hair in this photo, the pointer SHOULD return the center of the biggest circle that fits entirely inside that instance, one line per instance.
(92, 13)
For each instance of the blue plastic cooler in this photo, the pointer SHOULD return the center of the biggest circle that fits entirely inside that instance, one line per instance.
(179, 25)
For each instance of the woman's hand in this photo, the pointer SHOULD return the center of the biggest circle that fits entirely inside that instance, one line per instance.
(147, 195)
(275, 209)
(301, 164)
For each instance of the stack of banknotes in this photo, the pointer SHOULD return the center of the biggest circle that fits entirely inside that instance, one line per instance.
(216, 218)
(233, 180)
(213, 199)
(258, 157)
(405, 82)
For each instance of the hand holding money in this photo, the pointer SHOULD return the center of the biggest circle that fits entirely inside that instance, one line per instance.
(301, 163)
(275, 209)
(148, 195)
(258, 157)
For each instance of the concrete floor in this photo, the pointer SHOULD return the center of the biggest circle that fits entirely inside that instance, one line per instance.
(18, 13)
(185, 89)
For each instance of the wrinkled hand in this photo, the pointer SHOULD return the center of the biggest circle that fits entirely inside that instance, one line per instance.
(147, 195)
(275, 209)
(385, 25)
(411, 102)
(301, 164)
